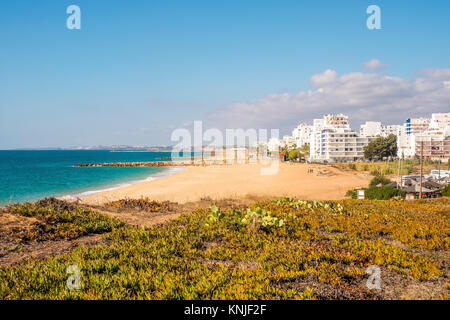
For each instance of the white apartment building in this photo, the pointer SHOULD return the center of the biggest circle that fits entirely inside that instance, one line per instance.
(433, 132)
(273, 145)
(374, 129)
(404, 142)
(436, 144)
(316, 139)
(440, 121)
(390, 129)
(416, 125)
(302, 134)
(336, 121)
(288, 141)
(370, 129)
(333, 140)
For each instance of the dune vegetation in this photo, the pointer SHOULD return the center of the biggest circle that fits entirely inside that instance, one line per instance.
(278, 249)
(407, 167)
(52, 219)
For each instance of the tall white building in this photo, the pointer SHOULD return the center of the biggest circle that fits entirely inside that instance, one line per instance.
(404, 142)
(302, 134)
(434, 132)
(273, 145)
(374, 129)
(370, 129)
(390, 129)
(288, 141)
(440, 121)
(333, 140)
(416, 125)
(436, 144)
(316, 139)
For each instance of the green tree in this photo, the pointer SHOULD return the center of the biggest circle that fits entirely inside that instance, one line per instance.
(384, 193)
(379, 179)
(378, 193)
(381, 147)
(294, 154)
(446, 191)
(304, 149)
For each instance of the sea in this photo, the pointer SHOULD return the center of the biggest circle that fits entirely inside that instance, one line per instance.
(33, 175)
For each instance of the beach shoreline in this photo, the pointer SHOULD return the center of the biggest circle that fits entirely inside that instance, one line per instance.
(300, 180)
(167, 172)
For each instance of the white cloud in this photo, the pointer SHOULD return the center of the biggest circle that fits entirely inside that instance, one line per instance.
(326, 78)
(362, 96)
(436, 74)
(374, 64)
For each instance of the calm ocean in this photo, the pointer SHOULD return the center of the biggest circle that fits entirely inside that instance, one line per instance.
(32, 175)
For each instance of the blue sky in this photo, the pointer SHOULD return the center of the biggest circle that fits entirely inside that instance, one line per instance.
(138, 69)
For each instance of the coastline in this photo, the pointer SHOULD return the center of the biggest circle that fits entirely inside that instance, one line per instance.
(167, 172)
(239, 181)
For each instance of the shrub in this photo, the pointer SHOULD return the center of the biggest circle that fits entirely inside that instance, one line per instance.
(379, 193)
(379, 179)
(262, 219)
(143, 204)
(351, 193)
(56, 219)
(383, 193)
(446, 191)
(376, 172)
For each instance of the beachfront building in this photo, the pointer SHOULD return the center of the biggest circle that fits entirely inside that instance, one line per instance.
(302, 134)
(416, 125)
(440, 121)
(404, 142)
(316, 139)
(370, 129)
(390, 129)
(273, 145)
(374, 129)
(436, 144)
(332, 140)
(289, 142)
(433, 132)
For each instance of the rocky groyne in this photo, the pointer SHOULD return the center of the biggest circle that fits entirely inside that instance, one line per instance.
(141, 164)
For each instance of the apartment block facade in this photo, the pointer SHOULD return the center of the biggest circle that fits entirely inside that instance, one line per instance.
(436, 145)
(434, 133)
(333, 140)
(440, 121)
(302, 134)
(416, 125)
(374, 129)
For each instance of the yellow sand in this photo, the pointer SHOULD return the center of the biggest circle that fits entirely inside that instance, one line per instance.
(241, 181)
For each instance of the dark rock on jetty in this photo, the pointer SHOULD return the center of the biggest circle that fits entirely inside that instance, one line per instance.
(141, 164)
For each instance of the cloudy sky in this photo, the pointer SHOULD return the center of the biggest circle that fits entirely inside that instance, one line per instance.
(361, 95)
(138, 70)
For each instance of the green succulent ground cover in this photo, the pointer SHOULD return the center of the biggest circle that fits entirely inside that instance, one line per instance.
(280, 249)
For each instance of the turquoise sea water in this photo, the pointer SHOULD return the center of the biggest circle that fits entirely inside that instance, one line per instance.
(32, 175)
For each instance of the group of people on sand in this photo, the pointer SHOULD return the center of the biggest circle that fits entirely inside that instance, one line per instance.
(310, 171)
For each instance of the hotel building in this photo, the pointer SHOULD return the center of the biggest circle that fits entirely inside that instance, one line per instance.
(435, 137)
(302, 134)
(332, 140)
(374, 129)
(416, 125)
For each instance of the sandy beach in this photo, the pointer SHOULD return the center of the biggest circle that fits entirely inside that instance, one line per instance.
(241, 181)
